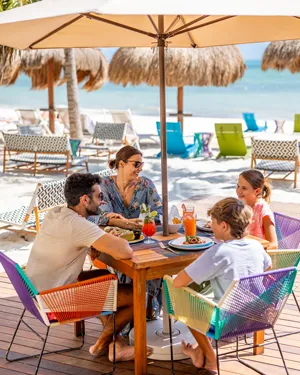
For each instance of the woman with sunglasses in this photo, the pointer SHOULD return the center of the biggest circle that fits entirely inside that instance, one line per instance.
(123, 195)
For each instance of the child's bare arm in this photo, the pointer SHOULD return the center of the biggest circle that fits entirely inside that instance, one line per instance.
(182, 279)
(270, 233)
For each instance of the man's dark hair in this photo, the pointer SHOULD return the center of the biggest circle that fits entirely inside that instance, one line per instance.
(79, 184)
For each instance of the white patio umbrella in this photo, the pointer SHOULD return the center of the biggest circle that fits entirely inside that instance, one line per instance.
(161, 23)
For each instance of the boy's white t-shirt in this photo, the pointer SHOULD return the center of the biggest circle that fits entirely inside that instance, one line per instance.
(228, 261)
(60, 248)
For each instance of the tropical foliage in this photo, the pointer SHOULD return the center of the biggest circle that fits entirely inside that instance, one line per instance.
(10, 4)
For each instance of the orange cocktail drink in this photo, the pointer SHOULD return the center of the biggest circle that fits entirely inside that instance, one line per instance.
(189, 223)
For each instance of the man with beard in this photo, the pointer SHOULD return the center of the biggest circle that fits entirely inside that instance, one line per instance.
(60, 248)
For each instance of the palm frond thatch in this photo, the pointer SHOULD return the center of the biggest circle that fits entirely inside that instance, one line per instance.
(212, 66)
(282, 55)
(91, 66)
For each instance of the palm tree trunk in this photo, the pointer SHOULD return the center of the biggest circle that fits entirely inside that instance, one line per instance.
(72, 89)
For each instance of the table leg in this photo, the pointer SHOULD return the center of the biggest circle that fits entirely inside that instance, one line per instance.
(259, 338)
(139, 305)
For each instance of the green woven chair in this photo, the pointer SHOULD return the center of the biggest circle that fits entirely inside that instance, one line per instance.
(297, 123)
(250, 304)
(231, 140)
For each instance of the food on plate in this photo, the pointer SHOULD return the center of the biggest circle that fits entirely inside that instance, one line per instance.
(192, 240)
(120, 232)
(176, 220)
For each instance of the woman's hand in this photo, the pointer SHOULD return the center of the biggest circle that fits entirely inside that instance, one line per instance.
(113, 215)
(135, 224)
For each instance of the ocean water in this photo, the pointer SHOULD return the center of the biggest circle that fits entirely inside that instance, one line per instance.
(271, 95)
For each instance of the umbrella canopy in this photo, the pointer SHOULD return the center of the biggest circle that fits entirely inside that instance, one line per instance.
(282, 55)
(91, 67)
(135, 23)
(211, 66)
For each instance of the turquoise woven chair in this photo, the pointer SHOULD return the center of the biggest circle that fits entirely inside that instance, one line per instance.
(175, 142)
(250, 304)
(252, 124)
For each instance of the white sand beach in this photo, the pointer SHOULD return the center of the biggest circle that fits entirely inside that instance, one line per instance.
(195, 178)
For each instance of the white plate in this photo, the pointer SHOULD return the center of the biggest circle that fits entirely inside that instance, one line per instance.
(178, 243)
(201, 225)
(136, 241)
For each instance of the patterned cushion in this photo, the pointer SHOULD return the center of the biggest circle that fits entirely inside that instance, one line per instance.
(109, 131)
(51, 194)
(276, 165)
(15, 217)
(47, 159)
(275, 149)
(36, 143)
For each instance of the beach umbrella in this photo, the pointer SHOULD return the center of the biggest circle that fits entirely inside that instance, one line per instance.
(45, 67)
(211, 66)
(136, 23)
(282, 55)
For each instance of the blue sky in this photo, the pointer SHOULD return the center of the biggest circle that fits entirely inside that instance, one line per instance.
(250, 51)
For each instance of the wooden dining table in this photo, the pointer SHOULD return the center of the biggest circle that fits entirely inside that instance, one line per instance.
(151, 262)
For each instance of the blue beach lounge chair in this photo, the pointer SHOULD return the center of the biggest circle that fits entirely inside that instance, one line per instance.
(175, 142)
(252, 124)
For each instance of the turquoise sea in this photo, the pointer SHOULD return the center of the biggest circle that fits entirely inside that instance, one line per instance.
(271, 95)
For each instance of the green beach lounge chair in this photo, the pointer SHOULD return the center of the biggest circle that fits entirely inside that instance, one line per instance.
(231, 140)
(297, 123)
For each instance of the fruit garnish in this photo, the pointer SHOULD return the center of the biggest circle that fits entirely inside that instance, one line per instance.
(175, 220)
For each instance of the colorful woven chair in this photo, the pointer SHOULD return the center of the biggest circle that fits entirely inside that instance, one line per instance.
(231, 140)
(250, 304)
(70, 303)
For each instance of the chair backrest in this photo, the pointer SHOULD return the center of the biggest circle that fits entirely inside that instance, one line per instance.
(105, 131)
(51, 194)
(250, 121)
(287, 230)
(29, 116)
(30, 129)
(175, 142)
(36, 143)
(121, 116)
(253, 303)
(23, 286)
(297, 123)
(231, 139)
(275, 149)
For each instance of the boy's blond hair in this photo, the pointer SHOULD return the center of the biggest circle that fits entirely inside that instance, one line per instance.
(235, 213)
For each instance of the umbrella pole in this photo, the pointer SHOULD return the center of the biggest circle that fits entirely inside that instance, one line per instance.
(180, 106)
(163, 133)
(51, 95)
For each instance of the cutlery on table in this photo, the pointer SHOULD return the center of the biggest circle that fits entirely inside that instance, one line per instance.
(167, 248)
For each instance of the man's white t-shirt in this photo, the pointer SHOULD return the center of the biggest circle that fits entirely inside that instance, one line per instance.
(60, 248)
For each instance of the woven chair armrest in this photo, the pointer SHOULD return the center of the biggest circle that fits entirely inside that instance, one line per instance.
(188, 306)
(283, 251)
(95, 280)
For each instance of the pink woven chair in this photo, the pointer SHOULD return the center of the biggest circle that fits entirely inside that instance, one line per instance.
(70, 303)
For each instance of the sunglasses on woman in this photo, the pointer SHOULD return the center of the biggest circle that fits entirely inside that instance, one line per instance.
(136, 164)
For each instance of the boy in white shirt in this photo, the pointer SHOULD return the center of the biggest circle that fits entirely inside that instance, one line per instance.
(233, 258)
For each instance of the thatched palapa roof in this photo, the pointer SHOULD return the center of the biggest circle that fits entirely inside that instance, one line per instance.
(212, 66)
(91, 66)
(282, 55)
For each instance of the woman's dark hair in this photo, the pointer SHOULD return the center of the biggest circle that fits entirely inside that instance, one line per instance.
(257, 180)
(79, 184)
(123, 155)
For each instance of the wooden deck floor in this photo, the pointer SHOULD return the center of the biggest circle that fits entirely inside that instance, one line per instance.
(81, 362)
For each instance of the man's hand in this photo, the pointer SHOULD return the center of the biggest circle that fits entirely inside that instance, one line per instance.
(94, 254)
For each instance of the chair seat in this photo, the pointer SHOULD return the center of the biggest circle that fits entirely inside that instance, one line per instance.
(47, 159)
(17, 217)
(276, 165)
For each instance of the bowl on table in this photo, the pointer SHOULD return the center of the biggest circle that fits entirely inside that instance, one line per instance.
(174, 228)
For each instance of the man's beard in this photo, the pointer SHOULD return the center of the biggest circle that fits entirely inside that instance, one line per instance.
(94, 212)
